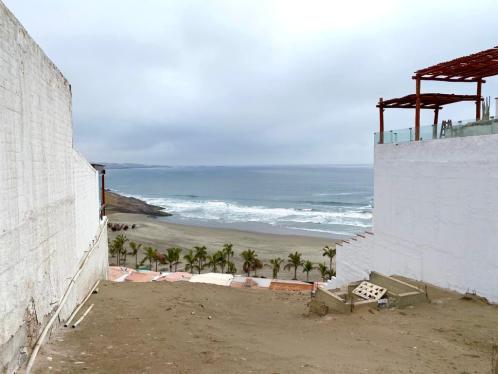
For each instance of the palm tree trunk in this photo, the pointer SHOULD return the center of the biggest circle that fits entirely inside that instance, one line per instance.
(136, 261)
(307, 276)
(295, 272)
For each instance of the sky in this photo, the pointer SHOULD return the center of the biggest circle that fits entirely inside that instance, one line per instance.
(246, 82)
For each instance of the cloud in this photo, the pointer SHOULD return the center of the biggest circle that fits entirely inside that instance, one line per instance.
(247, 82)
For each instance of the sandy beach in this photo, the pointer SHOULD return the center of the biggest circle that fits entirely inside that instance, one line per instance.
(161, 235)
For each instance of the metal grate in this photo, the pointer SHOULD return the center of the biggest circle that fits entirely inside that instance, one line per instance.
(369, 291)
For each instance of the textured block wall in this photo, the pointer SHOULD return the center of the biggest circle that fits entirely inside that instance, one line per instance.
(436, 212)
(435, 216)
(48, 193)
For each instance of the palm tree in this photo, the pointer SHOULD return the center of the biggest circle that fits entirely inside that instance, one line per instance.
(231, 269)
(151, 255)
(172, 257)
(330, 253)
(294, 261)
(112, 249)
(176, 257)
(257, 264)
(190, 261)
(118, 245)
(134, 251)
(307, 267)
(331, 273)
(249, 257)
(200, 255)
(227, 252)
(324, 271)
(124, 252)
(275, 264)
(215, 260)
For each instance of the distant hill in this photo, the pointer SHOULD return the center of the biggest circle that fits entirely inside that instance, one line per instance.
(112, 165)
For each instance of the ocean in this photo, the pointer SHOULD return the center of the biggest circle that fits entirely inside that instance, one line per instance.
(329, 201)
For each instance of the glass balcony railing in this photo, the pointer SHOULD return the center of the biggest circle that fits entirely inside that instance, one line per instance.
(456, 130)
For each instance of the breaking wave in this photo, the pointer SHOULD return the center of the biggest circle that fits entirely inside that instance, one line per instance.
(223, 211)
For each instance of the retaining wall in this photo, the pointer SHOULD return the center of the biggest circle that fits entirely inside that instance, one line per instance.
(49, 209)
(435, 216)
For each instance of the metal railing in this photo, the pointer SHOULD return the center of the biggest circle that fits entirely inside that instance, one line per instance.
(440, 131)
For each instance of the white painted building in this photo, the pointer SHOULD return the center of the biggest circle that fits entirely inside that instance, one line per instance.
(49, 197)
(435, 214)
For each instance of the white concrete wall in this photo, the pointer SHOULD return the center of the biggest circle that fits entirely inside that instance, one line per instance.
(352, 261)
(436, 214)
(48, 195)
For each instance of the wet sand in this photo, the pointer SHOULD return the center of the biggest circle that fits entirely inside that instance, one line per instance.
(161, 235)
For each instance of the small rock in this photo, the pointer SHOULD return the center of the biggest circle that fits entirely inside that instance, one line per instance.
(49, 358)
(193, 313)
(209, 317)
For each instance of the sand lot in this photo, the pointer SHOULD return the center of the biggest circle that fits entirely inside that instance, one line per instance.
(165, 328)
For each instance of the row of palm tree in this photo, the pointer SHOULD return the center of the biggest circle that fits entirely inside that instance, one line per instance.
(294, 262)
(198, 259)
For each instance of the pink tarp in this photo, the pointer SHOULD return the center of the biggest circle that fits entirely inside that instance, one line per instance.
(118, 273)
(148, 276)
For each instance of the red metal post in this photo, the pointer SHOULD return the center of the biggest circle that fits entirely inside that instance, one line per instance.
(103, 193)
(417, 108)
(478, 101)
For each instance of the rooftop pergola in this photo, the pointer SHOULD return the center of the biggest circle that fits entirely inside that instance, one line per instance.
(434, 101)
(471, 68)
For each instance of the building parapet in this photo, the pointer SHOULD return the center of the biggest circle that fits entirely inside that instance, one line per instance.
(444, 130)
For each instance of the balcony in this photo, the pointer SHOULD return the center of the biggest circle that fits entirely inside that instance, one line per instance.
(459, 129)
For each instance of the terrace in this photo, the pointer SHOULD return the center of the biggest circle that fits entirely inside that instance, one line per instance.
(472, 68)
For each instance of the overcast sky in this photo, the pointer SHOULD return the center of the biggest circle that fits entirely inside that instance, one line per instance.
(249, 82)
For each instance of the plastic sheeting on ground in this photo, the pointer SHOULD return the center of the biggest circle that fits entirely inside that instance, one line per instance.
(249, 282)
(213, 278)
(142, 276)
(118, 273)
(174, 277)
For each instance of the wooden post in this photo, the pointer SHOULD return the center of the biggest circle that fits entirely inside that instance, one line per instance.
(417, 108)
(478, 101)
(381, 120)
(434, 126)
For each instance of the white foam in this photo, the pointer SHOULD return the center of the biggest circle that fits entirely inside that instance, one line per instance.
(232, 212)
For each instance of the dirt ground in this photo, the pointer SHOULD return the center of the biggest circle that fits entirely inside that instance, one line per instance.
(194, 328)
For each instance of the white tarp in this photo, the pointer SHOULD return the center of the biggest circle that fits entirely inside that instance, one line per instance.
(212, 278)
